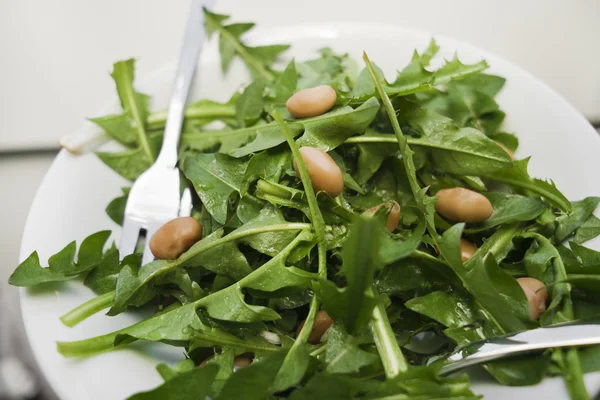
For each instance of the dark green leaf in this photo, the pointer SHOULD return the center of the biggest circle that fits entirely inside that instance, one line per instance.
(270, 243)
(190, 385)
(342, 355)
(517, 175)
(519, 371)
(507, 139)
(179, 367)
(544, 262)
(253, 381)
(449, 309)
(225, 259)
(103, 278)
(215, 177)
(352, 305)
(225, 363)
(581, 210)
(510, 208)
(588, 230)
(116, 208)
(463, 151)
(264, 137)
(330, 130)
(370, 158)
(493, 289)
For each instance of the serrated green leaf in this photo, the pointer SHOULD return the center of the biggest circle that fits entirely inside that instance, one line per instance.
(264, 137)
(543, 262)
(268, 165)
(228, 42)
(251, 103)
(328, 131)
(269, 243)
(191, 385)
(135, 105)
(62, 265)
(225, 260)
(493, 289)
(215, 178)
(131, 163)
(284, 86)
(116, 208)
(342, 355)
(257, 59)
(517, 175)
(352, 305)
(509, 208)
(254, 381)
(463, 151)
(454, 69)
(429, 52)
(588, 230)
(103, 278)
(566, 224)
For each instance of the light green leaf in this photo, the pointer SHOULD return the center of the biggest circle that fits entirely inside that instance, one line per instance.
(62, 265)
(250, 105)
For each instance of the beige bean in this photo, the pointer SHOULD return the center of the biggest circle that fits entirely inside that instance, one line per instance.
(311, 102)
(537, 295)
(463, 205)
(322, 322)
(243, 360)
(323, 172)
(467, 249)
(175, 237)
(393, 218)
(506, 149)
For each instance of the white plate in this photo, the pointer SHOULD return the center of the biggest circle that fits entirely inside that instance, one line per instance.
(71, 200)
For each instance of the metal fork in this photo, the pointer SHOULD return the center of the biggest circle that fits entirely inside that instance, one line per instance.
(155, 196)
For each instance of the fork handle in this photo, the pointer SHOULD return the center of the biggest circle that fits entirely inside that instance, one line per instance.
(192, 45)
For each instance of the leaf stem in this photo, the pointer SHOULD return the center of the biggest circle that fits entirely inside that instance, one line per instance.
(158, 119)
(87, 309)
(573, 375)
(406, 151)
(316, 216)
(391, 355)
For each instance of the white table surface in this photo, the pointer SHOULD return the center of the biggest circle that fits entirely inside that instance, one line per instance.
(56, 55)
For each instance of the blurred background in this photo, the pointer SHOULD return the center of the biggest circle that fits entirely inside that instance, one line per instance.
(56, 57)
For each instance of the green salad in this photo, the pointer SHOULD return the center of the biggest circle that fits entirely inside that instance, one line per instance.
(348, 234)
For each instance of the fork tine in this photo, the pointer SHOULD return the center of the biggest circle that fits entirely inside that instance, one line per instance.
(185, 207)
(148, 256)
(129, 237)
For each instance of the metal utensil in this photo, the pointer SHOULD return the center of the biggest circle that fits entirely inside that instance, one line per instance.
(155, 196)
(577, 333)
